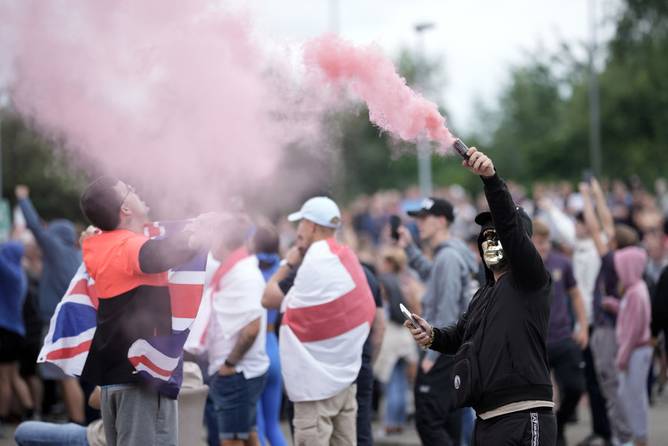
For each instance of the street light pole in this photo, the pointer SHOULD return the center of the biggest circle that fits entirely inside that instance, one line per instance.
(595, 157)
(423, 148)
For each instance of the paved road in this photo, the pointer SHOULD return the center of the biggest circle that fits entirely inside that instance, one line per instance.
(576, 432)
(658, 435)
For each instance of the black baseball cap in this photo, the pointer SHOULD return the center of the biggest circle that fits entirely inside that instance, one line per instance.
(485, 220)
(434, 206)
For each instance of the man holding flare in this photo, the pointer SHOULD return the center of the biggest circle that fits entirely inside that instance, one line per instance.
(501, 367)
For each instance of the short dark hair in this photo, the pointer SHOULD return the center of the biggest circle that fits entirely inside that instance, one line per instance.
(100, 203)
(266, 239)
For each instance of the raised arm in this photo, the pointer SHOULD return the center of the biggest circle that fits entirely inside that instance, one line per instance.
(46, 241)
(603, 211)
(282, 280)
(562, 226)
(525, 261)
(591, 221)
(159, 255)
(417, 261)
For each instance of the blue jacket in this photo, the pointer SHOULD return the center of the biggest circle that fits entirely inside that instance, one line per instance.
(13, 287)
(60, 257)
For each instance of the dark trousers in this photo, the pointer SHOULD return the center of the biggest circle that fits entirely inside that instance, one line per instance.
(599, 414)
(534, 427)
(565, 358)
(364, 405)
(437, 420)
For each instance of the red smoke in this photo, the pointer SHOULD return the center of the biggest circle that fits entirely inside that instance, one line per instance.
(392, 105)
(175, 95)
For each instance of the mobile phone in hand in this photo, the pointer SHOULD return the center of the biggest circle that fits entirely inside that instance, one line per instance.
(587, 176)
(395, 222)
(407, 314)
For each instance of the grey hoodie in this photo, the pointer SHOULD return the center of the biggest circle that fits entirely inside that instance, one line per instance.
(450, 283)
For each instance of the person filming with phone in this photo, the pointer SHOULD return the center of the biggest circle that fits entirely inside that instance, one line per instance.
(447, 275)
(499, 345)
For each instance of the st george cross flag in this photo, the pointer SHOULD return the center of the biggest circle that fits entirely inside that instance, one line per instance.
(158, 358)
(327, 318)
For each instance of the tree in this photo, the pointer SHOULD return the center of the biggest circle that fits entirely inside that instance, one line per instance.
(29, 159)
(541, 123)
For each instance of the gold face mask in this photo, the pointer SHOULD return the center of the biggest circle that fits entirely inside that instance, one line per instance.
(492, 251)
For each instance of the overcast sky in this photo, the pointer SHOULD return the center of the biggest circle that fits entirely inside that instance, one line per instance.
(478, 39)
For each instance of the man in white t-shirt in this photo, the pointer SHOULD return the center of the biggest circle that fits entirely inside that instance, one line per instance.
(231, 327)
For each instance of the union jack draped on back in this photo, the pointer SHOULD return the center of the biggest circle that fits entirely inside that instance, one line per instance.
(158, 358)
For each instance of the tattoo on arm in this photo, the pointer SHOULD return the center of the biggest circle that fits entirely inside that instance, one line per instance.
(246, 339)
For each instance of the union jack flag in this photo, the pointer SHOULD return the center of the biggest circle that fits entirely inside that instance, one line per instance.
(158, 358)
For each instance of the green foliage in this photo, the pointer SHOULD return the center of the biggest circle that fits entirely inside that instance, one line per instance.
(29, 159)
(542, 118)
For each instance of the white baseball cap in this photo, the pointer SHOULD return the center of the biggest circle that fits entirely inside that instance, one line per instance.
(320, 210)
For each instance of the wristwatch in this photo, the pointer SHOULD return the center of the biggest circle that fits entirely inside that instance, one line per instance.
(229, 364)
(285, 262)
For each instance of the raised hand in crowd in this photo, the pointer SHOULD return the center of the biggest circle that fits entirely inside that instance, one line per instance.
(479, 163)
(21, 191)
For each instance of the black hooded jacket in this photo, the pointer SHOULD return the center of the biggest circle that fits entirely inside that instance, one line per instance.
(507, 320)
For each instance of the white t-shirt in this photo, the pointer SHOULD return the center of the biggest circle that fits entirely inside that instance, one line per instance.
(236, 303)
(586, 266)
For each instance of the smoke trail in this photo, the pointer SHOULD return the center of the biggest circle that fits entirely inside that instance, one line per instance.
(175, 95)
(392, 105)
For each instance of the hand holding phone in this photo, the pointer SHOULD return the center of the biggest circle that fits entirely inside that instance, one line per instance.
(395, 222)
(422, 332)
(407, 314)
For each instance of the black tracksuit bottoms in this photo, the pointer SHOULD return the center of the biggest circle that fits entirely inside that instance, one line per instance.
(437, 420)
(533, 427)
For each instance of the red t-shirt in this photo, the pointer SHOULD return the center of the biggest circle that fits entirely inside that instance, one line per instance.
(112, 260)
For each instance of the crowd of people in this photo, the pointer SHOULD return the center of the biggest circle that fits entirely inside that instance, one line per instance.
(300, 318)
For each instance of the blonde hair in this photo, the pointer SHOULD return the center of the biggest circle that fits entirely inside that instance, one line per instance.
(396, 257)
(540, 228)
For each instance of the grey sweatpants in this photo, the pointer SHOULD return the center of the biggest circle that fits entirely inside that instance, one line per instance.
(138, 416)
(604, 349)
(633, 391)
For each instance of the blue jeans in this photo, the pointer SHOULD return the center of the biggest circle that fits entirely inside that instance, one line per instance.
(39, 433)
(235, 404)
(395, 396)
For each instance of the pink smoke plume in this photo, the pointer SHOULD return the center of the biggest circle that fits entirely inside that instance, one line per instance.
(173, 94)
(392, 105)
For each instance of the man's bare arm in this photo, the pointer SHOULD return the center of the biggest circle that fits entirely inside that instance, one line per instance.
(246, 339)
(377, 333)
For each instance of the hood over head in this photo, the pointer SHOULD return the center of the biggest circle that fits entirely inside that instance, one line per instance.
(63, 230)
(630, 265)
(486, 221)
(11, 253)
